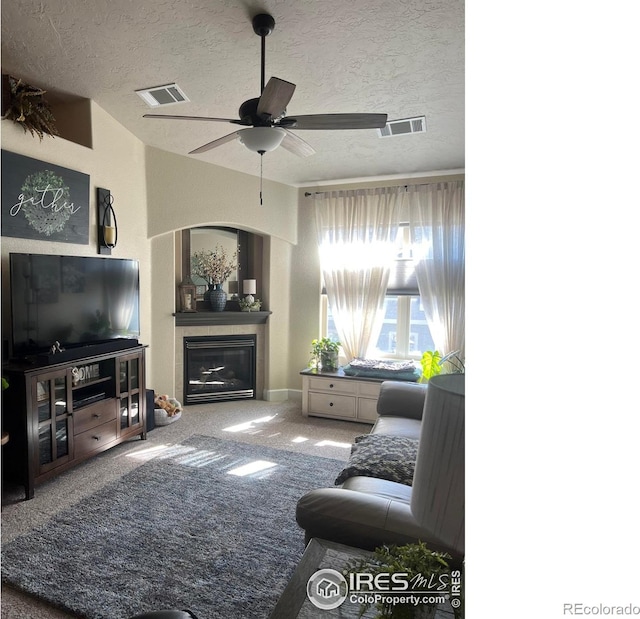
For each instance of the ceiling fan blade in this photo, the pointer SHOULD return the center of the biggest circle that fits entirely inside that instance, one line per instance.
(215, 143)
(335, 121)
(296, 145)
(275, 97)
(172, 117)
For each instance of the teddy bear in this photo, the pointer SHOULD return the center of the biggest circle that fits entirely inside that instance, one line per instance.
(170, 405)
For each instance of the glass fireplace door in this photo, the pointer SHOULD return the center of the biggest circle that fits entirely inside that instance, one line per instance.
(219, 368)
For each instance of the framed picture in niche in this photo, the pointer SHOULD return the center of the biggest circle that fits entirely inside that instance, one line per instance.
(44, 201)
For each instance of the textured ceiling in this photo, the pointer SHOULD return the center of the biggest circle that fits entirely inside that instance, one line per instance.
(400, 57)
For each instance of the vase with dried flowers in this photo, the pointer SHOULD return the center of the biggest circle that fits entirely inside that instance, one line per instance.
(214, 267)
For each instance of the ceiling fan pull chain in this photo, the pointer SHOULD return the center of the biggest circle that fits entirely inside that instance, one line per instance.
(261, 156)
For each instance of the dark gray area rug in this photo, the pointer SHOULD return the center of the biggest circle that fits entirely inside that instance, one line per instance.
(189, 529)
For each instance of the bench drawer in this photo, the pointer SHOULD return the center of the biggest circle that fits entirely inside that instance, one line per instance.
(329, 404)
(333, 385)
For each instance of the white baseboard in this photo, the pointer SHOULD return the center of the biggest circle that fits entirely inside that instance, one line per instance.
(282, 395)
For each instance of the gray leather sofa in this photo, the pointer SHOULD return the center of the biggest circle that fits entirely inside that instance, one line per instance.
(367, 512)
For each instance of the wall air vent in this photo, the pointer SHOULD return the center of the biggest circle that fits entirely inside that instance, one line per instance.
(162, 95)
(403, 126)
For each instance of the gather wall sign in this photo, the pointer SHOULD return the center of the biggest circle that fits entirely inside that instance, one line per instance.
(44, 201)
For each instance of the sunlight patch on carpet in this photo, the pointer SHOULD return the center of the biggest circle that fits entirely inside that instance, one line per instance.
(147, 453)
(333, 444)
(257, 466)
(179, 454)
(200, 458)
(248, 425)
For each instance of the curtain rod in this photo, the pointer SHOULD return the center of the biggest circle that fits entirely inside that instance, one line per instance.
(406, 187)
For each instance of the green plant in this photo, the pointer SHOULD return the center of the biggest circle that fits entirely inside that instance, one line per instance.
(325, 353)
(250, 306)
(421, 568)
(5, 383)
(26, 105)
(453, 362)
(430, 363)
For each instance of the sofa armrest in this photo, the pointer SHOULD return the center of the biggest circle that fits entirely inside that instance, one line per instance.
(401, 399)
(361, 519)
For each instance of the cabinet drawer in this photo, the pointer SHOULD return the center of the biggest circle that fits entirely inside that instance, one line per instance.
(94, 415)
(95, 438)
(329, 404)
(369, 390)
(367, 409)
(333, 385)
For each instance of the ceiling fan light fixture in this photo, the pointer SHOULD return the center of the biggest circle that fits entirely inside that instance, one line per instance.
(262, 139)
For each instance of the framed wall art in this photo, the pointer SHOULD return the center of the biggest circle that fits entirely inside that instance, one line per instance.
(44, 201)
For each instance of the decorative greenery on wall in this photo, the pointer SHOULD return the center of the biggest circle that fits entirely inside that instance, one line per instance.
(26, 105)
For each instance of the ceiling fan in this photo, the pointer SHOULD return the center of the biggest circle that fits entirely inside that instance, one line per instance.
(264, 116)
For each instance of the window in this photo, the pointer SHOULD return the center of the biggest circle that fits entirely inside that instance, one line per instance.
(404, 333)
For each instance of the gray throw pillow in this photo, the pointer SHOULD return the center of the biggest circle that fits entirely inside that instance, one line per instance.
(382, 456)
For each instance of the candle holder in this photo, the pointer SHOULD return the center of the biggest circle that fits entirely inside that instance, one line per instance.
(107, 223)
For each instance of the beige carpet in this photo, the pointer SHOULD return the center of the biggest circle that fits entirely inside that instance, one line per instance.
(278, 425)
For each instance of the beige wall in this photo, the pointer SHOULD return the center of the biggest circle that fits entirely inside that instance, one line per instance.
(183, 193)
(277, 272)
(116, 162)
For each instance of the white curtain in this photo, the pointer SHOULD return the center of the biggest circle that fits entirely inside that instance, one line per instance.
(356, 234)
(436, 217)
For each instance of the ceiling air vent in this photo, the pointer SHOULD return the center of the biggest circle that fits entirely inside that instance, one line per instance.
(404, 126)
(162, 95)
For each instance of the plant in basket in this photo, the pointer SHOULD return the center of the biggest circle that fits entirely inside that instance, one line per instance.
(325, 354)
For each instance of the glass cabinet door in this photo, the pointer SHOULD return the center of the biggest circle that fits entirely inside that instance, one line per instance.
(130, 391)
(54, 420)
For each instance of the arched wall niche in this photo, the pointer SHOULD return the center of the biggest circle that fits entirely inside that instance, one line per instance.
(248, 245)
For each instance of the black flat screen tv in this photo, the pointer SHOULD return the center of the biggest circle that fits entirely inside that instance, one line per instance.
(74, 300)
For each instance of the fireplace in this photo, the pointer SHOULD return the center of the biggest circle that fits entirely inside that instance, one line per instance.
(219, 368)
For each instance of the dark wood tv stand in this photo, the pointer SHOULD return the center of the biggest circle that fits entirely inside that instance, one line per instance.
(59, 414)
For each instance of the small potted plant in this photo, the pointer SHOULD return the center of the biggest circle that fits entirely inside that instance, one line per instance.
(424, 569)
(325, 354)
(250, 305)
